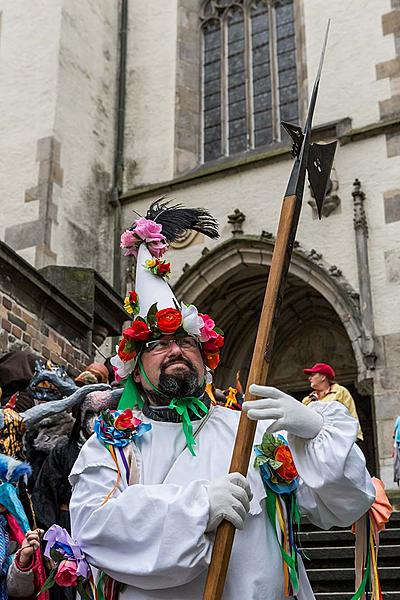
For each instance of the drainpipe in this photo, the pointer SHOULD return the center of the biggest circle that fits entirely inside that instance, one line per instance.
(118, 171)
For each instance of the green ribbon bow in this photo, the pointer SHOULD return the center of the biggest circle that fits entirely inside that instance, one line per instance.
(182, 407)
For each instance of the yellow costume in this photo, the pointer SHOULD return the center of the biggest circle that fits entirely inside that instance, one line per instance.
(340, 394)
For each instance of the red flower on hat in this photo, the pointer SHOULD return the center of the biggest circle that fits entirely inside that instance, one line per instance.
(213, 345)
(212, 359)
(133, 297)
(168, 320)
(138, 332)
(126, 354)
(287, 470)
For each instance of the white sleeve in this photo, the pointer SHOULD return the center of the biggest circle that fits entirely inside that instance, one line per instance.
(147, 536)
(335, 487)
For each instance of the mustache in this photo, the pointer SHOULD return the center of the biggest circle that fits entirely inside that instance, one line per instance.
(173, 361)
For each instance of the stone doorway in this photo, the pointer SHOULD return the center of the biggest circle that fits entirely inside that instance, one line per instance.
(317, 323)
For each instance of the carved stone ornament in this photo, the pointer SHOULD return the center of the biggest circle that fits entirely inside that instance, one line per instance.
(237, 218)
(184, 240)
(332, 200)
(360, 219)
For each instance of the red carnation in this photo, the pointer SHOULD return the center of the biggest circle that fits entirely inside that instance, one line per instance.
(214, 344)
(287, 470)
(133, 297)
(168, 320)
(138, 332)
(163, 268)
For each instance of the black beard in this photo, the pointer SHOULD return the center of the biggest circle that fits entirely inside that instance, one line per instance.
(178, 385)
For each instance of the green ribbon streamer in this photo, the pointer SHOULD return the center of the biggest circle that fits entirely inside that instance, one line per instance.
(290, 560)
(130, 396)
(100, 586)
(182, 406)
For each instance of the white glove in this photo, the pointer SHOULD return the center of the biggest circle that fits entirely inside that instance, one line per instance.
(230, 498)
(288, 413)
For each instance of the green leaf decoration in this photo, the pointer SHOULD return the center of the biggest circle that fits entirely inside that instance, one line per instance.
(108, 418)
(56, 555)
(260, 460)
(130, 346)
(49, 581)
(274, 464)
(151, 315)
(218, 330)
(141, 319)
(269, 444)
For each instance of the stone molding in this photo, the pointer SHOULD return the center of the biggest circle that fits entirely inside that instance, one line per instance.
(340, 130)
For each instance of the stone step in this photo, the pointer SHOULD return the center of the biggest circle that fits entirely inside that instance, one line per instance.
(343, 556)
(342, 580)
(343, 537)
(347, 573)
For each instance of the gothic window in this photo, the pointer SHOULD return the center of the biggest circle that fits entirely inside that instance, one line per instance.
(249, 75)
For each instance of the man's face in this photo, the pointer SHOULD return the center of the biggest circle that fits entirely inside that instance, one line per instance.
(174, 366)
(317, 380)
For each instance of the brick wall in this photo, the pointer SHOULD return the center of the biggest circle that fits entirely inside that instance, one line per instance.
(60, 313)
(24, 330)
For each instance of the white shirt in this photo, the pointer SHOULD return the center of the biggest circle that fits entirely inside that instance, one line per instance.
(151, 537)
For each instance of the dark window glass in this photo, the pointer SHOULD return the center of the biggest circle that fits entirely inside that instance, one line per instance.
(249, 74)
(212, 91)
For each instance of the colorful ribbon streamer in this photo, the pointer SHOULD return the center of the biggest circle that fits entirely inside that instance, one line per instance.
(275, 505)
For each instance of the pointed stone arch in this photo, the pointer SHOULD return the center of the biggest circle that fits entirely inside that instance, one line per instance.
(229, 282)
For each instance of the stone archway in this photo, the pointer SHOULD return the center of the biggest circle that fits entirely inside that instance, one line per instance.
(319, 319)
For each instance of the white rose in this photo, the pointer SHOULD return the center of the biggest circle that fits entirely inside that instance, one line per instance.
(191, 322)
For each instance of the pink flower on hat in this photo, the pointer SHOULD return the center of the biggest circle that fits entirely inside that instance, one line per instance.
(148, 231)
(129, 241)
(157, 249)
(207, 331)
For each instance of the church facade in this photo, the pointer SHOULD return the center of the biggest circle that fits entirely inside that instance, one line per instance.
(130, 101)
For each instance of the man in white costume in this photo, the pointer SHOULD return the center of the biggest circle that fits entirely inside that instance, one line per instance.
(155, 533)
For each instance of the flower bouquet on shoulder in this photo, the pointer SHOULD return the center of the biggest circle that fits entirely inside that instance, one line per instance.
(71, 568)
(275, 461)
(281, 479)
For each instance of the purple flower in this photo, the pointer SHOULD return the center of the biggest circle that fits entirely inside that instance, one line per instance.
(59, 539)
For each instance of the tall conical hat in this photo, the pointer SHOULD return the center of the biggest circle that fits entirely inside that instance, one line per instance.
(152, 305)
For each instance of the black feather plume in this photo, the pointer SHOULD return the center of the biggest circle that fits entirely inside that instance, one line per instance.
(176, 219)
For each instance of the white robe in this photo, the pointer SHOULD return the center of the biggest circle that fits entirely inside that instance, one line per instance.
(151, 537)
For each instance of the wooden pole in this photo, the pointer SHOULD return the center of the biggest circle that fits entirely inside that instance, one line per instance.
(258, 374)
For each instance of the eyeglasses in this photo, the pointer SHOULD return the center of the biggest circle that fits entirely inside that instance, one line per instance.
(162, 345)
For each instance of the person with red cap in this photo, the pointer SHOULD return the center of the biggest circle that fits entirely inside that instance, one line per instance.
(322, 381)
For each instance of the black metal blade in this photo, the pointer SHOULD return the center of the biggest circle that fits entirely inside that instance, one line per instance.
(297, 136)
(319, 166)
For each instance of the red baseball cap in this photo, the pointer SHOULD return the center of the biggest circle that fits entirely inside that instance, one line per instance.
(322, 368)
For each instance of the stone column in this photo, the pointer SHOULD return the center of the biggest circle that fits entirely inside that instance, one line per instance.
(367, 315)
